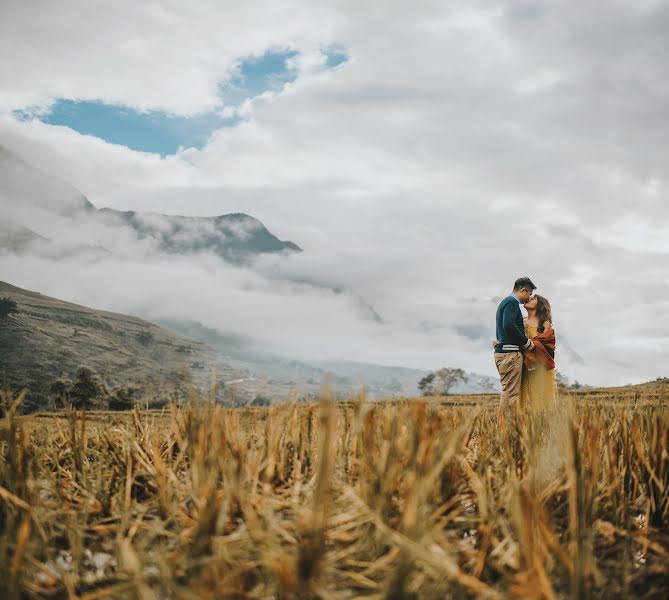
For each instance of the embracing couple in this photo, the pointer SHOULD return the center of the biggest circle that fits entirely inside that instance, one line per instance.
(525, 351)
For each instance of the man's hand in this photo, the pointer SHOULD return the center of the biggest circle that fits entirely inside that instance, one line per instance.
(494, 343)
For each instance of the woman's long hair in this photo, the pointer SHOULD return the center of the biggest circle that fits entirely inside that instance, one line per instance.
(543, 312)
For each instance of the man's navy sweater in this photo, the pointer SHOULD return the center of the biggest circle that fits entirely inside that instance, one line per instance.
(510, 327)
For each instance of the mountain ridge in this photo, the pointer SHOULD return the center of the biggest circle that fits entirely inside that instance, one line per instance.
(50, 338)
(236, 237)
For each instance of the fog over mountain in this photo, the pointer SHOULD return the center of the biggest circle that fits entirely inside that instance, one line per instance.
(229, 272)
(69, 223)
(48, 224)
(34, 199)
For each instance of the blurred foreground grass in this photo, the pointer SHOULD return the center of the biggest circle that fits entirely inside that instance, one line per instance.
(402, 499)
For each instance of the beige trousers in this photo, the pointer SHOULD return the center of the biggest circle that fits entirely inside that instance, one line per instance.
(510, 368)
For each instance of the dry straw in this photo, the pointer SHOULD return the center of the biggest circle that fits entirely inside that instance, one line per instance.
(406, 499)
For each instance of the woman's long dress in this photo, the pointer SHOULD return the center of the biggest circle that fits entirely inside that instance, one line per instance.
(538, 390)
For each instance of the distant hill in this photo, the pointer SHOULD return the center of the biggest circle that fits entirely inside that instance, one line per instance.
(50, 338)
(28, 195)
(283, 373)
(398, 379)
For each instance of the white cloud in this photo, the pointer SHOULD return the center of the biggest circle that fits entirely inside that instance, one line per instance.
(459, 146)
(148, 55)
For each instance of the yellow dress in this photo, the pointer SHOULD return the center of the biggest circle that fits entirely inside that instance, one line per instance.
(538, 388)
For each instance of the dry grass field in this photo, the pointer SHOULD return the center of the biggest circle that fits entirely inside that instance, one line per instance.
(403, 499)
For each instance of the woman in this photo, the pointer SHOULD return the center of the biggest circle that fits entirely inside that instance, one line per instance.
(538, 388)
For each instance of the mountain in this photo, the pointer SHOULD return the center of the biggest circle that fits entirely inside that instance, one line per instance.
(30, 198)
(396, 379)
(24, 186)
(283, 374)
(235, 237)
(41, 214)
(15, 238)
(50, 338)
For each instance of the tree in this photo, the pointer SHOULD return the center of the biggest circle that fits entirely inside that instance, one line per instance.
(440, 382)
(7, 308)
(87, 389)
(426, 384)
(447, 378)
(60, 391)
(144, 337)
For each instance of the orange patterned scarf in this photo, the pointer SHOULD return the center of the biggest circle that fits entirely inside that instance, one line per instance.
(544, 349)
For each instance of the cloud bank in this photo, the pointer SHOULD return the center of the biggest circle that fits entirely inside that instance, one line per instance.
(458, 147)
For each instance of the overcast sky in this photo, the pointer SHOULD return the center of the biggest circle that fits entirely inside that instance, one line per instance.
(424, 155)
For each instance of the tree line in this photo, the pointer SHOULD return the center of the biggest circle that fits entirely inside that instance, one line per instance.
(88, 391)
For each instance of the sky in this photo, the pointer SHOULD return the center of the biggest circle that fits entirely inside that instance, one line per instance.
(423, 157)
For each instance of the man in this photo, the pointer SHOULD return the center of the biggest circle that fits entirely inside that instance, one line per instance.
(511, 343)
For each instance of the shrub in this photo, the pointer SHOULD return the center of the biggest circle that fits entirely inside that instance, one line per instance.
(7, 308)
(60, 392)
(123, 398)
(158, 403)
(145, 337)
(261, 401)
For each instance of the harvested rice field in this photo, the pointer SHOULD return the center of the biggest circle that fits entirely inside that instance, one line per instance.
(403, 499)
